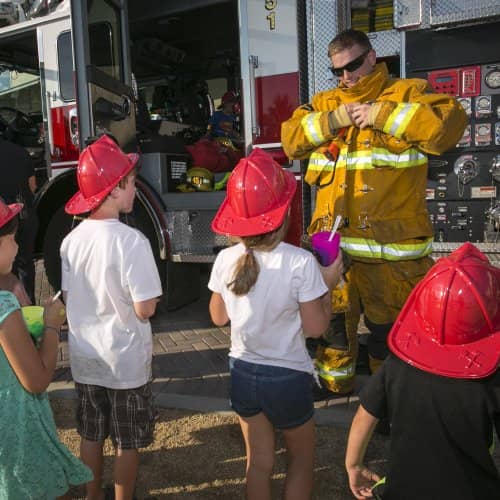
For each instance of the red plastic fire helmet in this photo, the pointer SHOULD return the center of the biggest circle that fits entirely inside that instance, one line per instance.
(259, 193)
(450, 324)
(101, 166)
(8, 212)
(229, 96)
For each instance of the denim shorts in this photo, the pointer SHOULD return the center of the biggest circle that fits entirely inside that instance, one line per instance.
(283, 395)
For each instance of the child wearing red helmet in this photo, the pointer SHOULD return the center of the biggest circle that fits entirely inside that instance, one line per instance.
(222, 122)
(34, 463)
(111, 284)
(440, 388)
(275, 295)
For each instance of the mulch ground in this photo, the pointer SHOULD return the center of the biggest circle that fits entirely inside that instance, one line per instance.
(201, 456)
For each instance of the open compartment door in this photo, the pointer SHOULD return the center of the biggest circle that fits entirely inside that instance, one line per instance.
(105, 98)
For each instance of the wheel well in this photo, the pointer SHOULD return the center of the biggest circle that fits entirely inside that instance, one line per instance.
(155, 209)
(53, 195)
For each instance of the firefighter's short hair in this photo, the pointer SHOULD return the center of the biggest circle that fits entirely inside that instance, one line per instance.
(347, 39)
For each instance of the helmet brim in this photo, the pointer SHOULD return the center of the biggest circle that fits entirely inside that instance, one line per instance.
(227, 222)
(473, 360)
(14, 209)
(79, 204)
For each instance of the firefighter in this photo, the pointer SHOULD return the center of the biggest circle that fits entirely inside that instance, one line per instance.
(439, 388)
(367, 143)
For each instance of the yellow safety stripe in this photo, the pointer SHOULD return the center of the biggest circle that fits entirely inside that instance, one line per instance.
(318, 162)
(330, 374)
(364, 247)
(368, 160)
(398, 120)
(410, 158)
(312, 128)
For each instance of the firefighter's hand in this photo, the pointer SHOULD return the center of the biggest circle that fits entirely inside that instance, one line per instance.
(340, 117)
(361, 115)
(333, 272)
(361, 481)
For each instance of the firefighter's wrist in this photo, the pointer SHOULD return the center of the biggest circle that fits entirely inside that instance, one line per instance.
(339, 118)
(374, 111)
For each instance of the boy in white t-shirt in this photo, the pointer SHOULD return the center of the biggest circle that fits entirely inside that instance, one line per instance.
(111, 287)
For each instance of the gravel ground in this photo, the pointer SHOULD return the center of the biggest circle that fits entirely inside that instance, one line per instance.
(201, 456)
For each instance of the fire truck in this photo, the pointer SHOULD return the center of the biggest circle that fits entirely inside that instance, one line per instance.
(148, 72)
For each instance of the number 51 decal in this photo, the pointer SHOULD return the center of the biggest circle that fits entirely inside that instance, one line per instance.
(271, 17)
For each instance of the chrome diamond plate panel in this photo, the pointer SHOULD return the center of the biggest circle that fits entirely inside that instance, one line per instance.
(191, 235)
(386, 43)
(407, 13)
(322, 26)
(453, 11)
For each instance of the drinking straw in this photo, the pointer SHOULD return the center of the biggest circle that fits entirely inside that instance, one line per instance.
(335, 227)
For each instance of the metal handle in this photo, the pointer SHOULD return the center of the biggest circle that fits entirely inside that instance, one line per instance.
(253, 62)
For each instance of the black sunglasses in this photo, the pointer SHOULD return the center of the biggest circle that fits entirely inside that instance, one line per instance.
(350, 67)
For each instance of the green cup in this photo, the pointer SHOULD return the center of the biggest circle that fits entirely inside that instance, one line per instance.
(33, 317)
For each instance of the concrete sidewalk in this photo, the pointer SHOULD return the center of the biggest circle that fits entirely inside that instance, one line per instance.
(190, 363)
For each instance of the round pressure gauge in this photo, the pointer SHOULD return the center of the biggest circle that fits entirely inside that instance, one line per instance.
(483, 102)
(492, 79)
(483, 129)
(466, 104)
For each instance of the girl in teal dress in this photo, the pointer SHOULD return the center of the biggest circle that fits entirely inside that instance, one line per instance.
(34, 464)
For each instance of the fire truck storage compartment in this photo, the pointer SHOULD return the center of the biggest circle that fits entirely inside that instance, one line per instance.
(188, 215)
(185, 56)
(463, 185)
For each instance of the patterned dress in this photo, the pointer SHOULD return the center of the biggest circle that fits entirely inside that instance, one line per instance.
(34, 464)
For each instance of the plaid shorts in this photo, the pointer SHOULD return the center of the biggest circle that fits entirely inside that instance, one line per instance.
(126, 415)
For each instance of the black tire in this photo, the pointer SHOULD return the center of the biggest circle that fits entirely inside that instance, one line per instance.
(58, 227)
(140, 219)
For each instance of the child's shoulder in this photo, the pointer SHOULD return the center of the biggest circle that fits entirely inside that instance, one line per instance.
(128, 232)
(104, 229)
(8, 304)
(294, 252)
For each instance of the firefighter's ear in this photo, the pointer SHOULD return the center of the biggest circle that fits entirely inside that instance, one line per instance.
(372, 57)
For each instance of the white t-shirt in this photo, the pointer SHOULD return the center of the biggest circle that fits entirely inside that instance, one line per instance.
(106, 267)
(266, 327)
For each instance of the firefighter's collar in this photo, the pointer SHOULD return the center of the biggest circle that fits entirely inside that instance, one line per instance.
(368, 87)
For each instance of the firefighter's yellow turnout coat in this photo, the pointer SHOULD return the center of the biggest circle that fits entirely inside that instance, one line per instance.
(377, 184)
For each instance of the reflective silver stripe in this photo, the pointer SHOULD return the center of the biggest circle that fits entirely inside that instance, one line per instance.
(399, 118)
(366, 160)
(330, 374)
(312, 129)
(380, 157)
(359, 160)
(362, 247)
(318, 162)
(409, 158)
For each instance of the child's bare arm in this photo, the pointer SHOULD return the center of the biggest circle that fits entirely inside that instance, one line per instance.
(34, 368)
(361, 479)
(146, 308)
(217, 309)
(316, 314)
